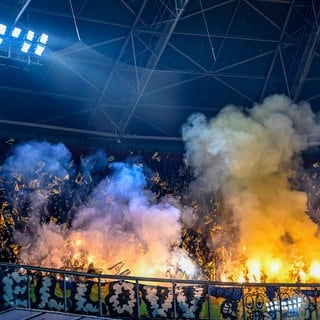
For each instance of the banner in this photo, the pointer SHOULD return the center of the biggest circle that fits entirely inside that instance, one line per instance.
(88, 296)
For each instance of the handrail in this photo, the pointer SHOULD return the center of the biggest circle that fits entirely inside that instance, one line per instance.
(140, 285)
(151, 279)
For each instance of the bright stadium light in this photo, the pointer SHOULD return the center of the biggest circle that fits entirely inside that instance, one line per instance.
(15, 40)
(30, 35)
(26, 46)
(40, 45)
(43, 39)
(16, 32)
(3, 29)
(39, 49)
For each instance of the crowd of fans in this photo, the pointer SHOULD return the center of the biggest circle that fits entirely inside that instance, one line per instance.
(167, 176)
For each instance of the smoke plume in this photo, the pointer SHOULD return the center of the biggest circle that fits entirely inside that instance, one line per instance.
(248, 158)
(116, 226)
(102, 216)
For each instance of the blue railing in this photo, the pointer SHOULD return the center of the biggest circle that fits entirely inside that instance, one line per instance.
(140, 298)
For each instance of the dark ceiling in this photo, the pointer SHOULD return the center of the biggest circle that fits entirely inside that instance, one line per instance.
(130, 72)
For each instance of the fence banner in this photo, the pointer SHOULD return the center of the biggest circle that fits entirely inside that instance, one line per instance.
(126, 298)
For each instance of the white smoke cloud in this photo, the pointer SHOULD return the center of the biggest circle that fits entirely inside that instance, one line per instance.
(118, 223)
(246, 157)
(241, 143)
(125, 225)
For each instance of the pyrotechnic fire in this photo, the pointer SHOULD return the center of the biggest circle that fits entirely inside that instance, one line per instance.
(251, 162)
(244, 218)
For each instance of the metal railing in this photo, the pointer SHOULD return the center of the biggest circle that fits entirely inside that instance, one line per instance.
(105, 295)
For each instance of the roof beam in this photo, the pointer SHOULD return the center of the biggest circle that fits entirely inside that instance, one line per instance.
(24, 7)
(277, 50)
(153, 62)
(114, 69)
(79, 137)
(307, 56)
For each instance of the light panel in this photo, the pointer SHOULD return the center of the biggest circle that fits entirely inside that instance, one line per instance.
(43, 38)
(39, 49)
(16, 32)
(30, 35)
(3, 29)
(26, 47)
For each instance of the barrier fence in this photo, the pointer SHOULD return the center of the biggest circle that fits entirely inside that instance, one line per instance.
(144, 298)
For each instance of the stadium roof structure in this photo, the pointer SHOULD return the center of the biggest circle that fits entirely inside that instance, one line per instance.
(130, 72)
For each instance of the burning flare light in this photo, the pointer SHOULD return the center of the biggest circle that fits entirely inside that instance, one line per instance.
(257, 229)
(251, 160)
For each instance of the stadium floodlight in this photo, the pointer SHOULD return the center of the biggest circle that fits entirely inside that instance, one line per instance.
(14, 38)
(3, 29)
(39, 49)
(30, 35)
(16, 32)
(43, 39)
(26, 46)
(40, 45)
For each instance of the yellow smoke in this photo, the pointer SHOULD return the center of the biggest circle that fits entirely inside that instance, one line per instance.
(249, 157)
